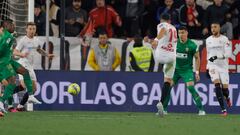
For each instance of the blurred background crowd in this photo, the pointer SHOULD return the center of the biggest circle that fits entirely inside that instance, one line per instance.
(127, 18)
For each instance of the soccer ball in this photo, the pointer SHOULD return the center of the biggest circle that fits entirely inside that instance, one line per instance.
(73, 89)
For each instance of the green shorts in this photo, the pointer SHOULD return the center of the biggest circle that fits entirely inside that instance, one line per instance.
(15, 65)
(7, 71)
(186, 75)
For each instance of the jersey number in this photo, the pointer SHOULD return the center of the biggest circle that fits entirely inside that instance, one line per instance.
(172, 38)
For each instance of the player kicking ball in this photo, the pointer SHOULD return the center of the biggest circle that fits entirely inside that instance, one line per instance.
(218, 52)
(164, 46)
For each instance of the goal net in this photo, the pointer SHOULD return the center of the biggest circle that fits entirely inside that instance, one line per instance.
(17, 10)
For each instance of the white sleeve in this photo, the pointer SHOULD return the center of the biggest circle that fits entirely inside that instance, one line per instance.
(161, 26)
(227, 50)
(207, 53)
(20, 45)
(39, 42)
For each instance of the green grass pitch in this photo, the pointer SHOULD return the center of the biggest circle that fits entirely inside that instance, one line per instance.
(116, 123)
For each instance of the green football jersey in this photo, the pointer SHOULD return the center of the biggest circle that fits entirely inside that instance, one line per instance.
(185, 54)
(6, 43)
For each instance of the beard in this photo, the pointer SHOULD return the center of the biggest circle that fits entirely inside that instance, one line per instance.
(215, 33)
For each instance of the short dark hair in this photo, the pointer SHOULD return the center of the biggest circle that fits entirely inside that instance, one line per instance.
(101, 31)
(37, 5)
(166, 16)
(216, 22)
(138, 41)
(30, 24)
(6, 22)
(183, 28)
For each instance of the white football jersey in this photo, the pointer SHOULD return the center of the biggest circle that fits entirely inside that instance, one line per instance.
(168, 42)
(29, 45)
(220, 47)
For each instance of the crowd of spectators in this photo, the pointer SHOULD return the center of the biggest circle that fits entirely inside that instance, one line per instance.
(127, 18)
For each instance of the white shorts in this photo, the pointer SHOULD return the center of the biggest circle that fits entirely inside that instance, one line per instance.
(169, 61)
(164, 57)
(169, 69)
(31, 73)
(223, 76)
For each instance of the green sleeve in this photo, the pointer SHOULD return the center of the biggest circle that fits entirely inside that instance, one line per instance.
(11, 40)
(2, 45)
(1, 48)
(1, 78)
(195, 48)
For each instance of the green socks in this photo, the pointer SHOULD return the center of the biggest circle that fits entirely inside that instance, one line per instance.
(196, 97)
(8, 92)
(28, 83)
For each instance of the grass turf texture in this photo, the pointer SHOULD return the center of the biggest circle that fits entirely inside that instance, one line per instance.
(115, 123)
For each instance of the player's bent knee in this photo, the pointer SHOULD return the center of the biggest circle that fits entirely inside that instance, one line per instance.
(216, 81)
(21, 70)
(169, 80)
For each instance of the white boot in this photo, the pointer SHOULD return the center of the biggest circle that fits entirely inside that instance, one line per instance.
(165, 112)
(2, 109)
(201, 113)
(160, 109)
(20, 106)
(33, 100)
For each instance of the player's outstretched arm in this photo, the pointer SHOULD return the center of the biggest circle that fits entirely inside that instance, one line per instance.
(44, 53)
(20, 54)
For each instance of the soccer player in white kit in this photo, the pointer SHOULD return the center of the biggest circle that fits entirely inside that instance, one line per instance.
(25, 50)
(218, 51)
(164, 46)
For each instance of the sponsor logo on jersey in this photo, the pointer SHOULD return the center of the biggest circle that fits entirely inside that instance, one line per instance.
(182, 55)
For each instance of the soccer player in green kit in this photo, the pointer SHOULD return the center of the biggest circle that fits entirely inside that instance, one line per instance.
(6, 69)
(186, 51)
(9, 67)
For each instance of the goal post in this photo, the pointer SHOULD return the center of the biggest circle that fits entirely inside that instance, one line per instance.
(31, 4)
(16, 10)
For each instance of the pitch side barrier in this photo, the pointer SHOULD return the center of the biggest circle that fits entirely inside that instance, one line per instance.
(125, 92)
(73, 54)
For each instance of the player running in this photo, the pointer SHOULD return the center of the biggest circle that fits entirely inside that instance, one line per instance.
(7, 72)
(218, 52)
(165, 53)
(187, 50)
(25, 49)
